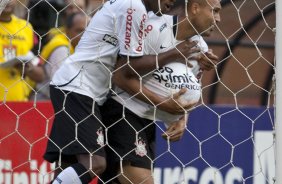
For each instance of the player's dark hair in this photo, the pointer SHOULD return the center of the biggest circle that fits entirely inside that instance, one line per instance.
(179, 3)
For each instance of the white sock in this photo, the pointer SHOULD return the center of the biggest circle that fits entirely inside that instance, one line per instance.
(67, 176)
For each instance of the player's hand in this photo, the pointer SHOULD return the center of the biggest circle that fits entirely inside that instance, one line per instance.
(187, 49)
(176, 130)
(207, 61)
(188, 106)
(174, 105)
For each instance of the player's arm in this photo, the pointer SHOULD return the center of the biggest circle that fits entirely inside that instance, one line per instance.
(147, 63)
(139, 66)
(133, 86)
(131, 43)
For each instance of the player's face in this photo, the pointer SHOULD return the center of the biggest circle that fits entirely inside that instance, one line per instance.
(208, 17)
(160, 6)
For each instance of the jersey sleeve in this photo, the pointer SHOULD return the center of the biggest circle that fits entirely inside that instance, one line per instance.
(131, 26)
(201, 42)
(203, 45)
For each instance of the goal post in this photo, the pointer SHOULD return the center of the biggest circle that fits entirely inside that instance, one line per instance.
(278, 105)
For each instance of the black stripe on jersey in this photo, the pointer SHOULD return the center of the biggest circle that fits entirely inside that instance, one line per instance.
(62, 85)
(110, 39)
(125, 56)
(175, 18)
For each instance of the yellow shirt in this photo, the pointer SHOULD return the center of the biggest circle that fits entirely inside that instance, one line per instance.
(54, 31)
(58, 40)
(16, 39)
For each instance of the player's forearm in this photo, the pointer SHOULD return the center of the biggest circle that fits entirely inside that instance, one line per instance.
(147, 63)
(133, 86)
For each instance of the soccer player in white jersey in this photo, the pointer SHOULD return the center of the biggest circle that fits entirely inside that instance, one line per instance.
(82, 83)
(131, 122)
(169, 79)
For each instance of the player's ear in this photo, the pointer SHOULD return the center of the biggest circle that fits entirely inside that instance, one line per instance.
(195, 8)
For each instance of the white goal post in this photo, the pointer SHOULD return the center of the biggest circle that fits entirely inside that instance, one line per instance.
(278, 106)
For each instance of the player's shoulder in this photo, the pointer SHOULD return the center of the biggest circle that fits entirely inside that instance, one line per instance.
(160, 23)
(125, 4)
(159, 19)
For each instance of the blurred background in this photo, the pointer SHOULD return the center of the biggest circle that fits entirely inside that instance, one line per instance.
(244, 41)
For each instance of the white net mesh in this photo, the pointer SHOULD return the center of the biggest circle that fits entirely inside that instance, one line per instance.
(230, 135)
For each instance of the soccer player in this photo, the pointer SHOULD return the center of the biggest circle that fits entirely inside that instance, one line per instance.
(77, 6)
(131, 122)
(17, 40)
(83, 82)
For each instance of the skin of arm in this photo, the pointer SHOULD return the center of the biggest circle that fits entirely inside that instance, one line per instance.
(147, 63)
(129, 70)
(134, 86)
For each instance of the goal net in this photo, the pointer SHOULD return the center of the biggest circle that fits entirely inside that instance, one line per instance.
(232, 135)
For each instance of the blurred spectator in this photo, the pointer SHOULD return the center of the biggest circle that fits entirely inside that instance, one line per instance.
(18, 77)
(43, 16)
(74, 6)
(58, 48)
(70, 7)
(93, 6)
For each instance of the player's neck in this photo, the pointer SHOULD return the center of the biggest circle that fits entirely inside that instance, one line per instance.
(184, 30)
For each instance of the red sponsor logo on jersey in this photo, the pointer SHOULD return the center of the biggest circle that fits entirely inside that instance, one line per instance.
(148, 29)
(141, 33)
(128, 27)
